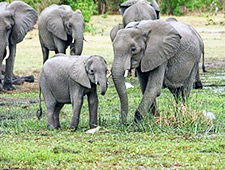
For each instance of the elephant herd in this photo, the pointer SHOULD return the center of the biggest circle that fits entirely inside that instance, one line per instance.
(165, 54)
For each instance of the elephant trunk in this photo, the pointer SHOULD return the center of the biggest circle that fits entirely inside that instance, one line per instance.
(103, 85)
(4, 50)
(119, 81)
(77, 44)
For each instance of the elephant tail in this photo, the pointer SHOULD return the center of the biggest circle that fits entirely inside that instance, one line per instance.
(39, 111)
(203, 60)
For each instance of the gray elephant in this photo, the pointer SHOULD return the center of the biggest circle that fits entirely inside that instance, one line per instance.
(16, 19)
(134, 10)
(59, 27)
(164, 54)
(67, 79)
(124, 6)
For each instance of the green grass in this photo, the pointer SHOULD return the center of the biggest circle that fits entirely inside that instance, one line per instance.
(180, 138)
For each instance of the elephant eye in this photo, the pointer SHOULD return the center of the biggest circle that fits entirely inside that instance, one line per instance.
(69, 25)
(8, 27)
(91, 71)
(133, 49)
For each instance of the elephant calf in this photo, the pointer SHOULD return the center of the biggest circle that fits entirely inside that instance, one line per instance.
(67, 79)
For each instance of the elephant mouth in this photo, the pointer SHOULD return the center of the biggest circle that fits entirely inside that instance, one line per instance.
(72, 46)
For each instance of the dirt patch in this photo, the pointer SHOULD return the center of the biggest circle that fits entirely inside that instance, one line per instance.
(22, 102)
(219, 64)
(26, 86)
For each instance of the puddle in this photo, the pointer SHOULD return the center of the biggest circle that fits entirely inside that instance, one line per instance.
(214, 76)
(218, 88)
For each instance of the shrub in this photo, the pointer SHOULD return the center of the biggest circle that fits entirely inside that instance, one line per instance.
(88, 7)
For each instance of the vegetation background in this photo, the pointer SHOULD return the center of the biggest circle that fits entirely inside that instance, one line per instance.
(172, 7)
(180, 138)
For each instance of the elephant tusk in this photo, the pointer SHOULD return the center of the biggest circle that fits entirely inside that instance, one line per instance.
(96, 83)
(109, 74)
(126, 73)
(7, 52)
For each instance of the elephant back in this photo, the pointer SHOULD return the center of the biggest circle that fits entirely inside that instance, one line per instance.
(139, 11)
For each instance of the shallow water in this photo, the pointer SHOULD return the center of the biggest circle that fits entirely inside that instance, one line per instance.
(218, 88)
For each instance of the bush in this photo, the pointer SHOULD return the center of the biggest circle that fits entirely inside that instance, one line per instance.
(88, 7)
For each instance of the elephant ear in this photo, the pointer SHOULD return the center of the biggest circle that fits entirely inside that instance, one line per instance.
(25, 18)
(55, 24)
(162, 43)
(114, 31)
(123, 7)
(78, 72)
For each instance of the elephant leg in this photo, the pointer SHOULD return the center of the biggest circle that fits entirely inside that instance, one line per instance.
(178, 94)
(143, 80)
(50, 103)
(60, 45)
(189, 84)
(197, 83)
(77, 104)
(45, 52)
(181, 94)
(9, 68)
(153, 89)
(58, 107)
(93, 108)
(1, 86)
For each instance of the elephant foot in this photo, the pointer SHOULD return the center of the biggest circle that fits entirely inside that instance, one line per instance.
(51, 127)
(8, 86)
(58, 126)
(137, 117)
(197, 85)
(93, 126)
(73, 128)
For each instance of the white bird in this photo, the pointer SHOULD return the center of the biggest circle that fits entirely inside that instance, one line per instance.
(128, 85)
(94, 130)
(209, 115)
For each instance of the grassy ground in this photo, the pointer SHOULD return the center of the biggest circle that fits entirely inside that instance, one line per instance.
(180, 138)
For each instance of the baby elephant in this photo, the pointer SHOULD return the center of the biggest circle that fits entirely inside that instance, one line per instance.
(67, 79)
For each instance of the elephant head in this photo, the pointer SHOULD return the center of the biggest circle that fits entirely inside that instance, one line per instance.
(66, 24)
(139, 11)
(16, 19)
(144, 45)
(124, 6)
(90, 70)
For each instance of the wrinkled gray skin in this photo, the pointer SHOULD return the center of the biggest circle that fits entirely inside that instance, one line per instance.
(60, 27)
(164, 54)
(129, 3)
(67, 79)
(132, 11)
(16, 19)
(139, 11)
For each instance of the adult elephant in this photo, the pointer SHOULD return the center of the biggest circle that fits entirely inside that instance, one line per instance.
(124, 6)
(16, 19)
(60, 27)
(135, 10)
(164, 54)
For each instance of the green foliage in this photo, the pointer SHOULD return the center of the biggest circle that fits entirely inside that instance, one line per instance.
(88, 7)
(180, 7)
